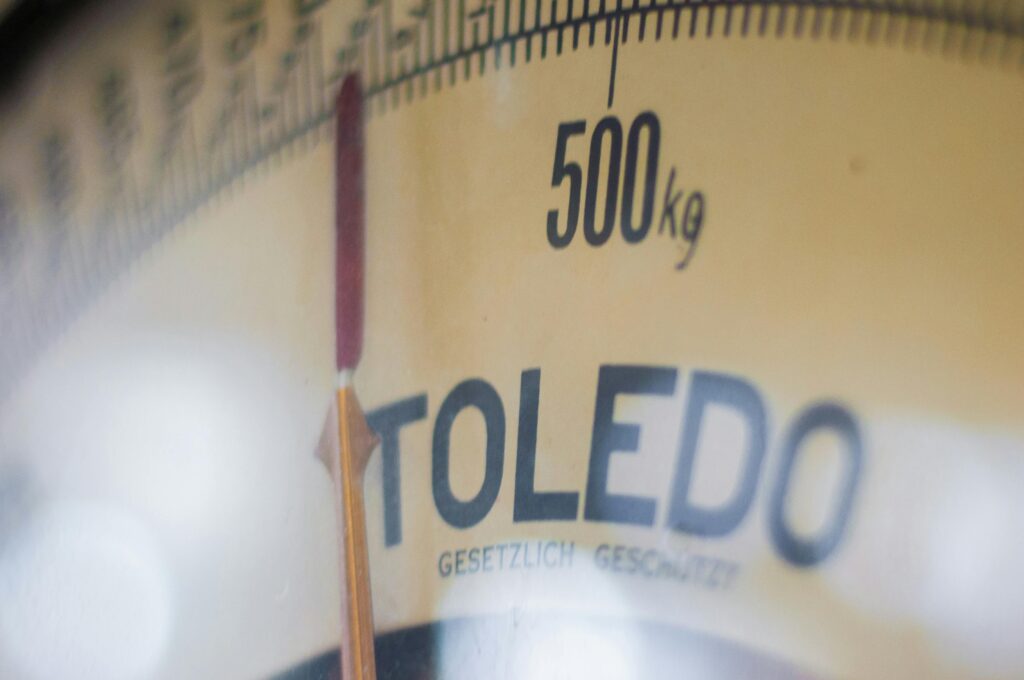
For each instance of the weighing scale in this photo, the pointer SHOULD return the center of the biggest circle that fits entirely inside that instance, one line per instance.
(690, 340)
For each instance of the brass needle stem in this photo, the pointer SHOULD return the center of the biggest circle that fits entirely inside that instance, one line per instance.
(357, 442)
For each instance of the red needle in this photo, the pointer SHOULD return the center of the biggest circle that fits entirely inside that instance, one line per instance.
(356, 441)
(349, 217)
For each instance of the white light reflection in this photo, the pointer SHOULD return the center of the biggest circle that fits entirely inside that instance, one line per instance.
(207, 445)
(165, 433)
(938, 542)
(534, 641)
(85, 594)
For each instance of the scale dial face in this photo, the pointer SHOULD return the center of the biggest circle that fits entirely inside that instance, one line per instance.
(693, 340)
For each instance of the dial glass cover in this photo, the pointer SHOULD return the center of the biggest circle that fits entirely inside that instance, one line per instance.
(692, 339)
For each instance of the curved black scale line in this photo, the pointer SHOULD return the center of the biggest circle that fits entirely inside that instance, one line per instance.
(891, 22)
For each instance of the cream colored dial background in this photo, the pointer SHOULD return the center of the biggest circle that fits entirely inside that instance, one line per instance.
(861, 244)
